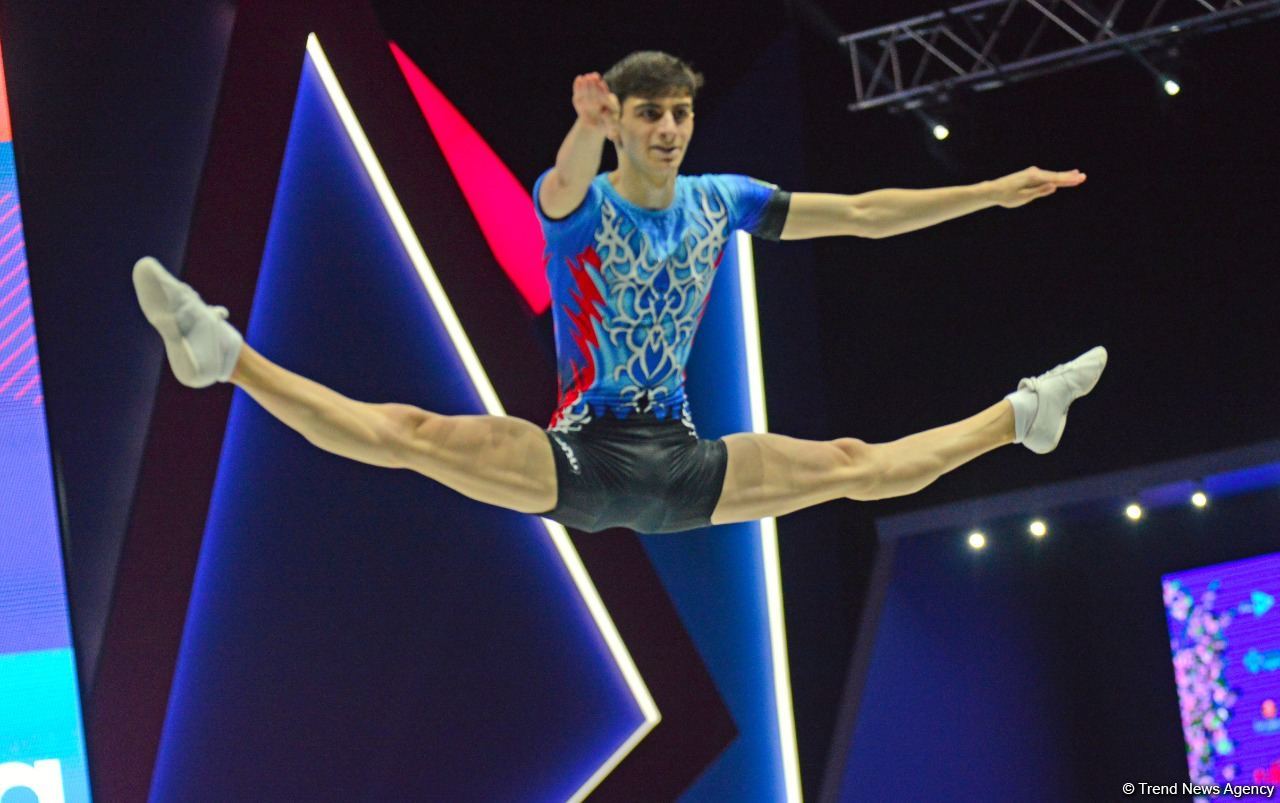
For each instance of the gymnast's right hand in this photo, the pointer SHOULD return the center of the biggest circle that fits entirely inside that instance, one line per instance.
(597, 107)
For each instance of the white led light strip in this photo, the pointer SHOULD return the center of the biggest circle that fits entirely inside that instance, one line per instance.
(768, 529)
(494, 407)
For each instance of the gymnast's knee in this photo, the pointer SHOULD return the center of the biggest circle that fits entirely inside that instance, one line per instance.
(409, 433)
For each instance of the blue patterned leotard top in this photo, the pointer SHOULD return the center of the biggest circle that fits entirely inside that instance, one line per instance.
(629, 286)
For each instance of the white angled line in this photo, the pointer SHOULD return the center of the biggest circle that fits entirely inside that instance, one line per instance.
(768, 529)
(494, 407)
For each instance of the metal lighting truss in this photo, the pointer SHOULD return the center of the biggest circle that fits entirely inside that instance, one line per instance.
(988, 43)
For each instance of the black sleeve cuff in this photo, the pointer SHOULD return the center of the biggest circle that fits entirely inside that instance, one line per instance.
(774, 216)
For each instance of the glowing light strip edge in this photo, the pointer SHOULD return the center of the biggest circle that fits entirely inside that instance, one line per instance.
(494, 407)
(769, 530)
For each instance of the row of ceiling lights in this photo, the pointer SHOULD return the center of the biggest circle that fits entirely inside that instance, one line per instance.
(1038, 528)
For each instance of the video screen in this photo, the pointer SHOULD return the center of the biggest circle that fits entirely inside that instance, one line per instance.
(41, 739)
(1224, 633)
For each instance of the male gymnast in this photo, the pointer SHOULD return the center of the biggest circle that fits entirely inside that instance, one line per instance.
(631, 256)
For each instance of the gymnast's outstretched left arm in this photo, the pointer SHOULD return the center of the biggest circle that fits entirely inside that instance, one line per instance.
(884, 213)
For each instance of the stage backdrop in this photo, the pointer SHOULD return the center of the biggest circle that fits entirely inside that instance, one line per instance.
(1124, 645)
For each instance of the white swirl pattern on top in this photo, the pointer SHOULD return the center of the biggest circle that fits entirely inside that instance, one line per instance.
(654, 304)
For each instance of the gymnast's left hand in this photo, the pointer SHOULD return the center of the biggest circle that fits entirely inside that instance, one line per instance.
(1025, 186)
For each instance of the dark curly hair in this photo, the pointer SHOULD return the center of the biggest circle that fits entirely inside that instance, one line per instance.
(652, 74)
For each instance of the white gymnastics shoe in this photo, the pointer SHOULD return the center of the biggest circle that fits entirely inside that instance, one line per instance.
(1040, 403)
(201, 345)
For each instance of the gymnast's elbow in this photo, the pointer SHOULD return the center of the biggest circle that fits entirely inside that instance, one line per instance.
(863, 220)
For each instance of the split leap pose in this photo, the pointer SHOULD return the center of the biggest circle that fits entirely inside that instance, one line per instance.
(631, 258)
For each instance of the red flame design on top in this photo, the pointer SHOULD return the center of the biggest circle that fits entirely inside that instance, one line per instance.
(589, 302)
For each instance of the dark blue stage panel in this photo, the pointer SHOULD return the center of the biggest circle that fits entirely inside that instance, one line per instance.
(358, 633)
(725, 580)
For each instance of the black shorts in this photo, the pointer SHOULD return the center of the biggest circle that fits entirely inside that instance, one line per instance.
(641, 473)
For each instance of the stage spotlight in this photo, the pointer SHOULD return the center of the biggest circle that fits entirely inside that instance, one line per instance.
(977, 540)
(940, 131)
(1171, 86)
(1038, 528)
(1133, 511)
(1199, 499)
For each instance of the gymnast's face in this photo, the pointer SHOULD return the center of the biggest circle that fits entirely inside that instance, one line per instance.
(653, 133)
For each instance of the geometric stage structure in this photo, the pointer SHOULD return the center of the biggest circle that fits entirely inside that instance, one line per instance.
(488, 646)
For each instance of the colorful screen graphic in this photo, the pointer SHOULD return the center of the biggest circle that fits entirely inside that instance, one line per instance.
(1224, 630)
(42, 756)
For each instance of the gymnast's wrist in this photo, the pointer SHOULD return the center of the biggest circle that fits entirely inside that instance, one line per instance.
(986, 192)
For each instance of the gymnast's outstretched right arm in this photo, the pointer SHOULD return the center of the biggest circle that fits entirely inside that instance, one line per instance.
(579, 158)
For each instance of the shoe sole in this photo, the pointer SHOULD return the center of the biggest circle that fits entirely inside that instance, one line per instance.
(149, 278)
